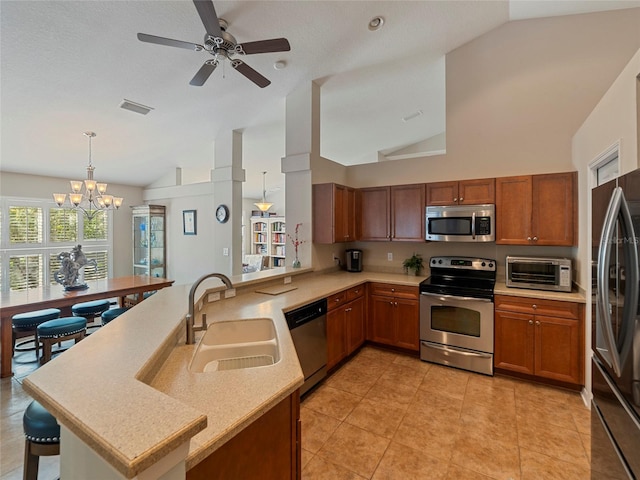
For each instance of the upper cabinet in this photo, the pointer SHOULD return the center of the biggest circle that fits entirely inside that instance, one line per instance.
(537, 209)
(464, 192)
(392, 213)
(334, 213)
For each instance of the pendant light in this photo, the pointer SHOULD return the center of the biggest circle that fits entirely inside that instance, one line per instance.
(263, 206)
(94, 198)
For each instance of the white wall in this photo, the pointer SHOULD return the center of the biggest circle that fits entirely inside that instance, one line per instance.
(36, 186)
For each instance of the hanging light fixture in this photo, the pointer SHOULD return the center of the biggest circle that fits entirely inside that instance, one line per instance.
(263, 206)
(94, 198)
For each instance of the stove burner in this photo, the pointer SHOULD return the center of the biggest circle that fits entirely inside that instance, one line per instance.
(461, 277)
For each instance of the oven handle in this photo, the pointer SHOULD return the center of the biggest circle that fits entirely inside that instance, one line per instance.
(456, 351)
(455, 297)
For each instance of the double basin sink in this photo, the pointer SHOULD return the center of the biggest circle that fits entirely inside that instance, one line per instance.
(236, 344)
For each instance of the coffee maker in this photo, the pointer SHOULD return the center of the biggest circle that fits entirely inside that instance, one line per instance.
(354, 260)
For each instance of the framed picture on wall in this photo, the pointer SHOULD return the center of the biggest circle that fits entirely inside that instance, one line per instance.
(189, 222)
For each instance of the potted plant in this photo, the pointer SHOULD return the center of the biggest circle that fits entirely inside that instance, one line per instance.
(413, 263)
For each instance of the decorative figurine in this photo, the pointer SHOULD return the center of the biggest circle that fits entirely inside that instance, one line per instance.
(70, 264)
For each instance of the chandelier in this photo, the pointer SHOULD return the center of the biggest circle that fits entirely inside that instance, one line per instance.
(94, 198)
(263, 206)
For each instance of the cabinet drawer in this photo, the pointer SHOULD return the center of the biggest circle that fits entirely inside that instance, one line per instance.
(552, 308)
(336, 300)
(398, 291)
(355, 292)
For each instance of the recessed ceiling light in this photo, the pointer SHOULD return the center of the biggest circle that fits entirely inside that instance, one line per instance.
(135, 107)
(280, 64)
(376, 23)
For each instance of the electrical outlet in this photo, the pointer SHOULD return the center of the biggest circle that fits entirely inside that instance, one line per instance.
(230, 293)
(213, 297)
(390, 256)
(287, 280)
(225, 252)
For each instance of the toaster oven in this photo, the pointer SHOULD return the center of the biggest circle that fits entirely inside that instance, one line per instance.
(539, 273)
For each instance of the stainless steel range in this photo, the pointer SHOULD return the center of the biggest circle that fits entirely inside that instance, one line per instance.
(456, 313)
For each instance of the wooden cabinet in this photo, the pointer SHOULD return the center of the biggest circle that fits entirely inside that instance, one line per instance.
(541, 338)
(391, 213)
(272, 443)
(464, 192)
(334, 213)
(394, 316)
(345, 324)
(537, 209)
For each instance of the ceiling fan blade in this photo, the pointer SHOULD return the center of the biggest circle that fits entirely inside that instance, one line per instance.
(204, 73)
(143, 37)
(209, 18)
(250, 73)
(266, 46)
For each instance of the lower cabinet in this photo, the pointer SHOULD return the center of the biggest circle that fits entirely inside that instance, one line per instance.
(345, 324)
(394, 316)
(541, 338)
(268, 449)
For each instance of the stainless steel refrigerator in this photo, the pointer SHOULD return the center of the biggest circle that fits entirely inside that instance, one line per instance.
(615, 412)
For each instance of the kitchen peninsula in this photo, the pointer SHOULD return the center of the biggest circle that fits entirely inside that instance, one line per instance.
(130, 408)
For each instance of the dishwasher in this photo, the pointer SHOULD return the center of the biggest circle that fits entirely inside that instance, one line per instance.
(308, 326)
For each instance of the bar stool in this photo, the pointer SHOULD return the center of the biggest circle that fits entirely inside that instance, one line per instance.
(91, 310)
(42, 438)
(23, 324)
(112, 314)
(59, 330)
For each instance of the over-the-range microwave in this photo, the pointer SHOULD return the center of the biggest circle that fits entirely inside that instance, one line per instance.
(539, 273)
(461, 223)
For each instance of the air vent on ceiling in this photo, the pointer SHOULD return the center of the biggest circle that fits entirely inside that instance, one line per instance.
(135, 107)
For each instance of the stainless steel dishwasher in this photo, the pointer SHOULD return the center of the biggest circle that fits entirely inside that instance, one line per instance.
(308, 326)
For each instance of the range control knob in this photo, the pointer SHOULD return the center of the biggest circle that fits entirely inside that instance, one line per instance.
(433, 261)
(440, 261)
(484, 264)
(491, 265)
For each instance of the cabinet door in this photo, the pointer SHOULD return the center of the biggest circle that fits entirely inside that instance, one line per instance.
(513, 210)
(407, 324)
(514, 342)
(349, 214)
(442, 193)
(375, 214)
(336, 341)
(333, 213)
(407, 213)
(475, 192)
(553, 216)
(557, 349)
(354, 318)
(382, 328)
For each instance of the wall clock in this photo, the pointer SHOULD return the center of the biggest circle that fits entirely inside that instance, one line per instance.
(222, 213)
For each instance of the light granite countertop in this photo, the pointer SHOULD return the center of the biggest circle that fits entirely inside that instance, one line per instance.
(576, 295)
(126, 390)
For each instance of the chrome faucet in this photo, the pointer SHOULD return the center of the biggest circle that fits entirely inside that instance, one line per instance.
(190, 318)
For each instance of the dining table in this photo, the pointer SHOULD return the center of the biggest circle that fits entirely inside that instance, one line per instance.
(127, 290)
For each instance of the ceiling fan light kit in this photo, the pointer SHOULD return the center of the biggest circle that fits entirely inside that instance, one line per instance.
(376, 23)
(222, 45)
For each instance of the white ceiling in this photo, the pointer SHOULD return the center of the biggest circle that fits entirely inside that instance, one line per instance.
(67, 65)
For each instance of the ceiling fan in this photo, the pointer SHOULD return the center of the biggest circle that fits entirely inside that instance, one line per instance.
(221, 44)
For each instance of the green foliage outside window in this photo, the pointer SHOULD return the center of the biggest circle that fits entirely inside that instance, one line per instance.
(25, 225)
(25, 271)
(96, 228)
(63, 225)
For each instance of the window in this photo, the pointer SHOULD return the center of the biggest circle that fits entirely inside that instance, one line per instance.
(37, 232)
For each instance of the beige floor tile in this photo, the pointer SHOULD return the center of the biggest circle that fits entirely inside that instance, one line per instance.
(377, 417)
(378, 354)
(402, 462)
(354, 449)
(489, 393)
(316, 428)
(332, 402)
(423, 430)
(320, 469)
(447, 381)
(412, 362)
(586, 443)
(482, 427)
(488, 457)
(536, 409)
(582, 418)
(456, 472)
(431, 403)
(404, 375)
(391, 393)
(306, 457)
(536, 466)
(553, 441)
(353, 381)
(548, 393)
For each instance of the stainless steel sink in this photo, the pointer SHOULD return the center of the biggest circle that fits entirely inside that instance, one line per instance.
(236, 344)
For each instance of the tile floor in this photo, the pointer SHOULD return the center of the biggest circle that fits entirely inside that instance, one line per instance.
(389, 416)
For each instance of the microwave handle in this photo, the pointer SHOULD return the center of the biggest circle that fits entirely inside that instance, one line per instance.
(537, 262)
(473, 225)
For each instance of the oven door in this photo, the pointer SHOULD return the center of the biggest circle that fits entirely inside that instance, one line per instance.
(457, 321)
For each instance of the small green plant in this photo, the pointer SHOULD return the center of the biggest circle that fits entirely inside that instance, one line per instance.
(413, 263)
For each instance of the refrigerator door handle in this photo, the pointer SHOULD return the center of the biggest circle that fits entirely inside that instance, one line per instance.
(631, 293)
(604, 329)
